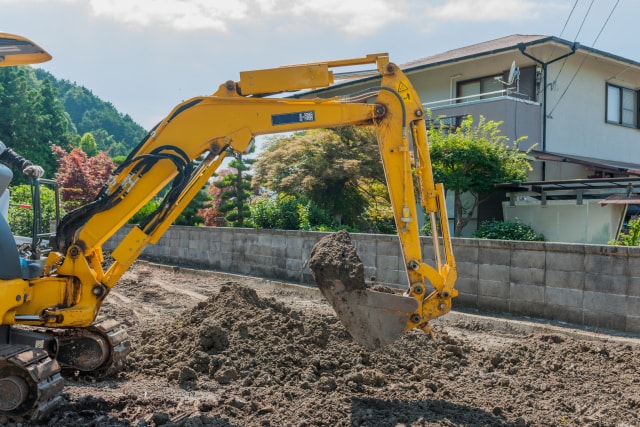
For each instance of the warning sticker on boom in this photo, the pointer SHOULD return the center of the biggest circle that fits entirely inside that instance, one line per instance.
(285, 119)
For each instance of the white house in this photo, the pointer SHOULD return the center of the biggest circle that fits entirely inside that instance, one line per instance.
(578, 105)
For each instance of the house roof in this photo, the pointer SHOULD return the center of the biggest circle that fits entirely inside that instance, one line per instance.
(504, 44)
(474, 50)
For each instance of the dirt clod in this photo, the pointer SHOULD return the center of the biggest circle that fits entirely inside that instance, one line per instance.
(335, 258)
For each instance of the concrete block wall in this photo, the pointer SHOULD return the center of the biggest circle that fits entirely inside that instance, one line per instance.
(589, 285)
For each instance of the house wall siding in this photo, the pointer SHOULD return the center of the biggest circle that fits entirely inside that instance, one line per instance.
(576, 125)
(588, 285)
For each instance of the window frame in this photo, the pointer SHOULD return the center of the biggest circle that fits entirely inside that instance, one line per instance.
(481, 82)
(619, 120)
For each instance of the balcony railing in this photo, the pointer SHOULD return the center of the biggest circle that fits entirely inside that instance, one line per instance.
(520, 116)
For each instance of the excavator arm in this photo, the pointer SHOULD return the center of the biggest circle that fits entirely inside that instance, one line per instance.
(228, 121)
(177, 158)
(210, 127)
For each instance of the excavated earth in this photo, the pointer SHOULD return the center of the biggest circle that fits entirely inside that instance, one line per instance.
(212, 349)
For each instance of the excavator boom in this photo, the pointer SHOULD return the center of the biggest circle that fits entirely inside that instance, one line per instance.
(56, 307)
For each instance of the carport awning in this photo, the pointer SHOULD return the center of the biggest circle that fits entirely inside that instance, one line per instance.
(621, 199)
(610, 166)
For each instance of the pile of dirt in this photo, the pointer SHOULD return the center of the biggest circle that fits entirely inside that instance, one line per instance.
(243, 355)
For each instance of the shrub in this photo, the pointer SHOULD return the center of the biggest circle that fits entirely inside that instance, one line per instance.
(21, 219)
(632, 238)
(507, 230)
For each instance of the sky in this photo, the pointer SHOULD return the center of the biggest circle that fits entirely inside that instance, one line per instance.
(147, 56)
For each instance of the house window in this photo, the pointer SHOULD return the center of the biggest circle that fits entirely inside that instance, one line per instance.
(622, 106)
(480, 87)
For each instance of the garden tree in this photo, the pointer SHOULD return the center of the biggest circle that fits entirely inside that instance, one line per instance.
(88, 144)
(236, 191)
(81, 177)
(471, 159)
(337, 169)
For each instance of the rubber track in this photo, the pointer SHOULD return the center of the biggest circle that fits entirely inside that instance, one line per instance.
(119, 343)
(43, 375)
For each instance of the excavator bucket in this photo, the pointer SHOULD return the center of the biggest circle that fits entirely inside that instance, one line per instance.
(374, 319)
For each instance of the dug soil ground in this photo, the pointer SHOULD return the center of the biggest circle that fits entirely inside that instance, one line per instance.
(211, 349)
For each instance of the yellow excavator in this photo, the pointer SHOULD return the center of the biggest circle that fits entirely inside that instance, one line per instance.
(49, 309)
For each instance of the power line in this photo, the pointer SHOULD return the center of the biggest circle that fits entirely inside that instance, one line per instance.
(605, 23)
(584, 20)
(563, 28)
(585, 57)
(575, 38)
(568, 18)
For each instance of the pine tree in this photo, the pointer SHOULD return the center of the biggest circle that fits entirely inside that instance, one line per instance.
(88, 144)
(236, 191)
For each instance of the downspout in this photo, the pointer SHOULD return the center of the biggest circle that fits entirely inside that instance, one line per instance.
(522, 48)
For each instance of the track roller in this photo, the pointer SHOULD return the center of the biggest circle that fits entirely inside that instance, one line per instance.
(30, 384)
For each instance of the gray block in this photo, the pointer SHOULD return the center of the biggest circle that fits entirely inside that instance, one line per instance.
(494, 304)
(633, 324)
(494, 256)
(564, 297)
(385, 276)
(565, 261)
(496, 273)
(602, 264)
(531, 276)
(605, 303)
(464, 253)
(388, 248)
(633, 262)
(293, 247)
(388, 262)
(524, 308)
(534, 295)
(565, 279)
(633, 306)
(633, 288)
(493, 289)
(528, 259)
(465, 300)
(564, 313)
(468, 286)
(599, 319)
(467, 270)
(606, 283)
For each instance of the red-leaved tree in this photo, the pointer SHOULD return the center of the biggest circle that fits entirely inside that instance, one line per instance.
(212, 216)
(81, 177)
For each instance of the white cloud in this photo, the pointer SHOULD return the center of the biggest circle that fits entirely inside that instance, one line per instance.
(179, 14)
(489, 10)
(355, 17)
(352, 17)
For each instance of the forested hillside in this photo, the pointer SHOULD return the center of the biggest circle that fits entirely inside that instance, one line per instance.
(114, 132)
(37, 110)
